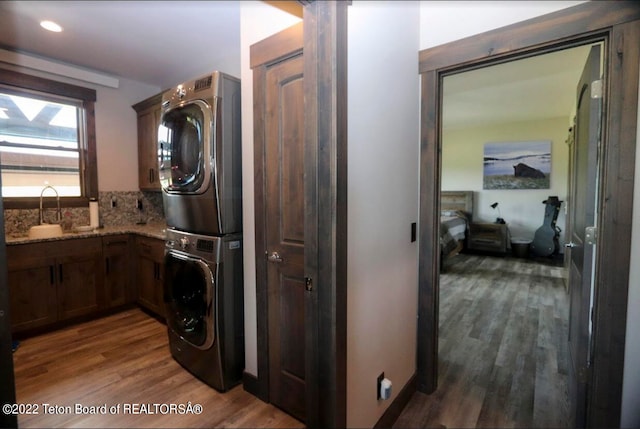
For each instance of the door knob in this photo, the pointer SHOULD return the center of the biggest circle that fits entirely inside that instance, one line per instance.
(274, 257)
(570, 245)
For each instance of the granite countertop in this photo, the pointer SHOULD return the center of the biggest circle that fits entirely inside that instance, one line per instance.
(153, 230)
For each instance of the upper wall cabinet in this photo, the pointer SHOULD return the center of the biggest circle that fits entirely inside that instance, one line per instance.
(149, 112)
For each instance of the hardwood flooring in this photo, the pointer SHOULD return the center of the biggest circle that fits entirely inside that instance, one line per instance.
(503, 355)
(503, 362)
(121, 360)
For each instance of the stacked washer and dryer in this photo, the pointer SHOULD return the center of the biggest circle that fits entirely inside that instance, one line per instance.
(200, 171)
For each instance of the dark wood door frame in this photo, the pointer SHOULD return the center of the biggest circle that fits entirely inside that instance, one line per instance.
(272, 50)
(7, 380)
(618, 23)
(324, 41)
(325, 80)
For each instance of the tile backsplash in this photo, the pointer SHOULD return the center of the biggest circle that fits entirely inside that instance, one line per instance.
(122, 211)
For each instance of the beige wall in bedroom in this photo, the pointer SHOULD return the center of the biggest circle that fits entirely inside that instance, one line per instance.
(462, 154)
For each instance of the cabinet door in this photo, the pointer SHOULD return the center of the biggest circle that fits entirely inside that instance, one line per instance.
(149, 275)
(159, 287)
(149, 112)
(32, 292)
(80, 284)
(117, 271)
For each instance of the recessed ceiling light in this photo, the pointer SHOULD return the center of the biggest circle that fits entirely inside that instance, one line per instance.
(51, 26)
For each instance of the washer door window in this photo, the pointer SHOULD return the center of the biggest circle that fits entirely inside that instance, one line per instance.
(190, 298)
(184, 148)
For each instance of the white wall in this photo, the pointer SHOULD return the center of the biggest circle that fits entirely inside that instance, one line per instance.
(383, 142)
(462, 155)
(257, 21)
(117, 134)
(446, 21)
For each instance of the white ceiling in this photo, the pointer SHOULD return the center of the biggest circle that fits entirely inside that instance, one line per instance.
(540, 87)
(164, 43)
(160, 43)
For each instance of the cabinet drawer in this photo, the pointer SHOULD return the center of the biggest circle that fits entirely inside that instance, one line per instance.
(488, 245)
(17, 253)
(150, 247)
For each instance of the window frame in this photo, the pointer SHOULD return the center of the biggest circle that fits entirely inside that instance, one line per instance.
(17, 81)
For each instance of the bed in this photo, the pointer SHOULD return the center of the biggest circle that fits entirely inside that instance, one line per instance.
(456, 210)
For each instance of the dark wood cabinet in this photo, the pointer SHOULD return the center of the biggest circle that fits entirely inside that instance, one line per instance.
(488, 237)
(80, 284)
(149, 112)
(44, 289)
(117, 270)
(150, 273)
(51, 282)
(32, 291)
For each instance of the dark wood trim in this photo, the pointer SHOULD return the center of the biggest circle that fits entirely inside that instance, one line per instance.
(311, 213)
(613, 257)
(250, 383)
(399, 403)
(7, 380)
(88, 154)
(154, 100)
(20, 80)
(325, 78)
(262, 297)
(34, 202)
(429, 250)
(271, 50)
(292, 7)
(617, 23)
(268, 51)
(557, 27)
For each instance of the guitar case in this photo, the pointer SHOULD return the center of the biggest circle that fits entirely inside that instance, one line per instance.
(546, 239)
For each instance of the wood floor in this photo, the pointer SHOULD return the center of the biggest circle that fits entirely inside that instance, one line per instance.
(122, 360)
(503, 362)
(503, 356)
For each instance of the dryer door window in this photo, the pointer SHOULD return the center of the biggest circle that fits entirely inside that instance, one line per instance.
(184, 148)
(190, 299)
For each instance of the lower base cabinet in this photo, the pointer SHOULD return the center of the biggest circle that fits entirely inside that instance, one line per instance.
(46, 289)
(150, 273)
(33, 293)
(116, 250)
(54, 281)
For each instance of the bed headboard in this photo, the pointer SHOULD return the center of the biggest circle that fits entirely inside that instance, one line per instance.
(457, 200)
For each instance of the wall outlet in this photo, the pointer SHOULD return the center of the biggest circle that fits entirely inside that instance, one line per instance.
(385, 389)
(379, 385)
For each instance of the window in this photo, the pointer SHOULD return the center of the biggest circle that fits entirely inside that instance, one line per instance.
(47, 137)
(40, 143)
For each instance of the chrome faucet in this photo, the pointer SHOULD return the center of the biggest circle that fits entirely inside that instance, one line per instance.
(58, 211)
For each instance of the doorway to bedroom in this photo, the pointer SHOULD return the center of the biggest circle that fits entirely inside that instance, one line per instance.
(503, 315)
(604, 335)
